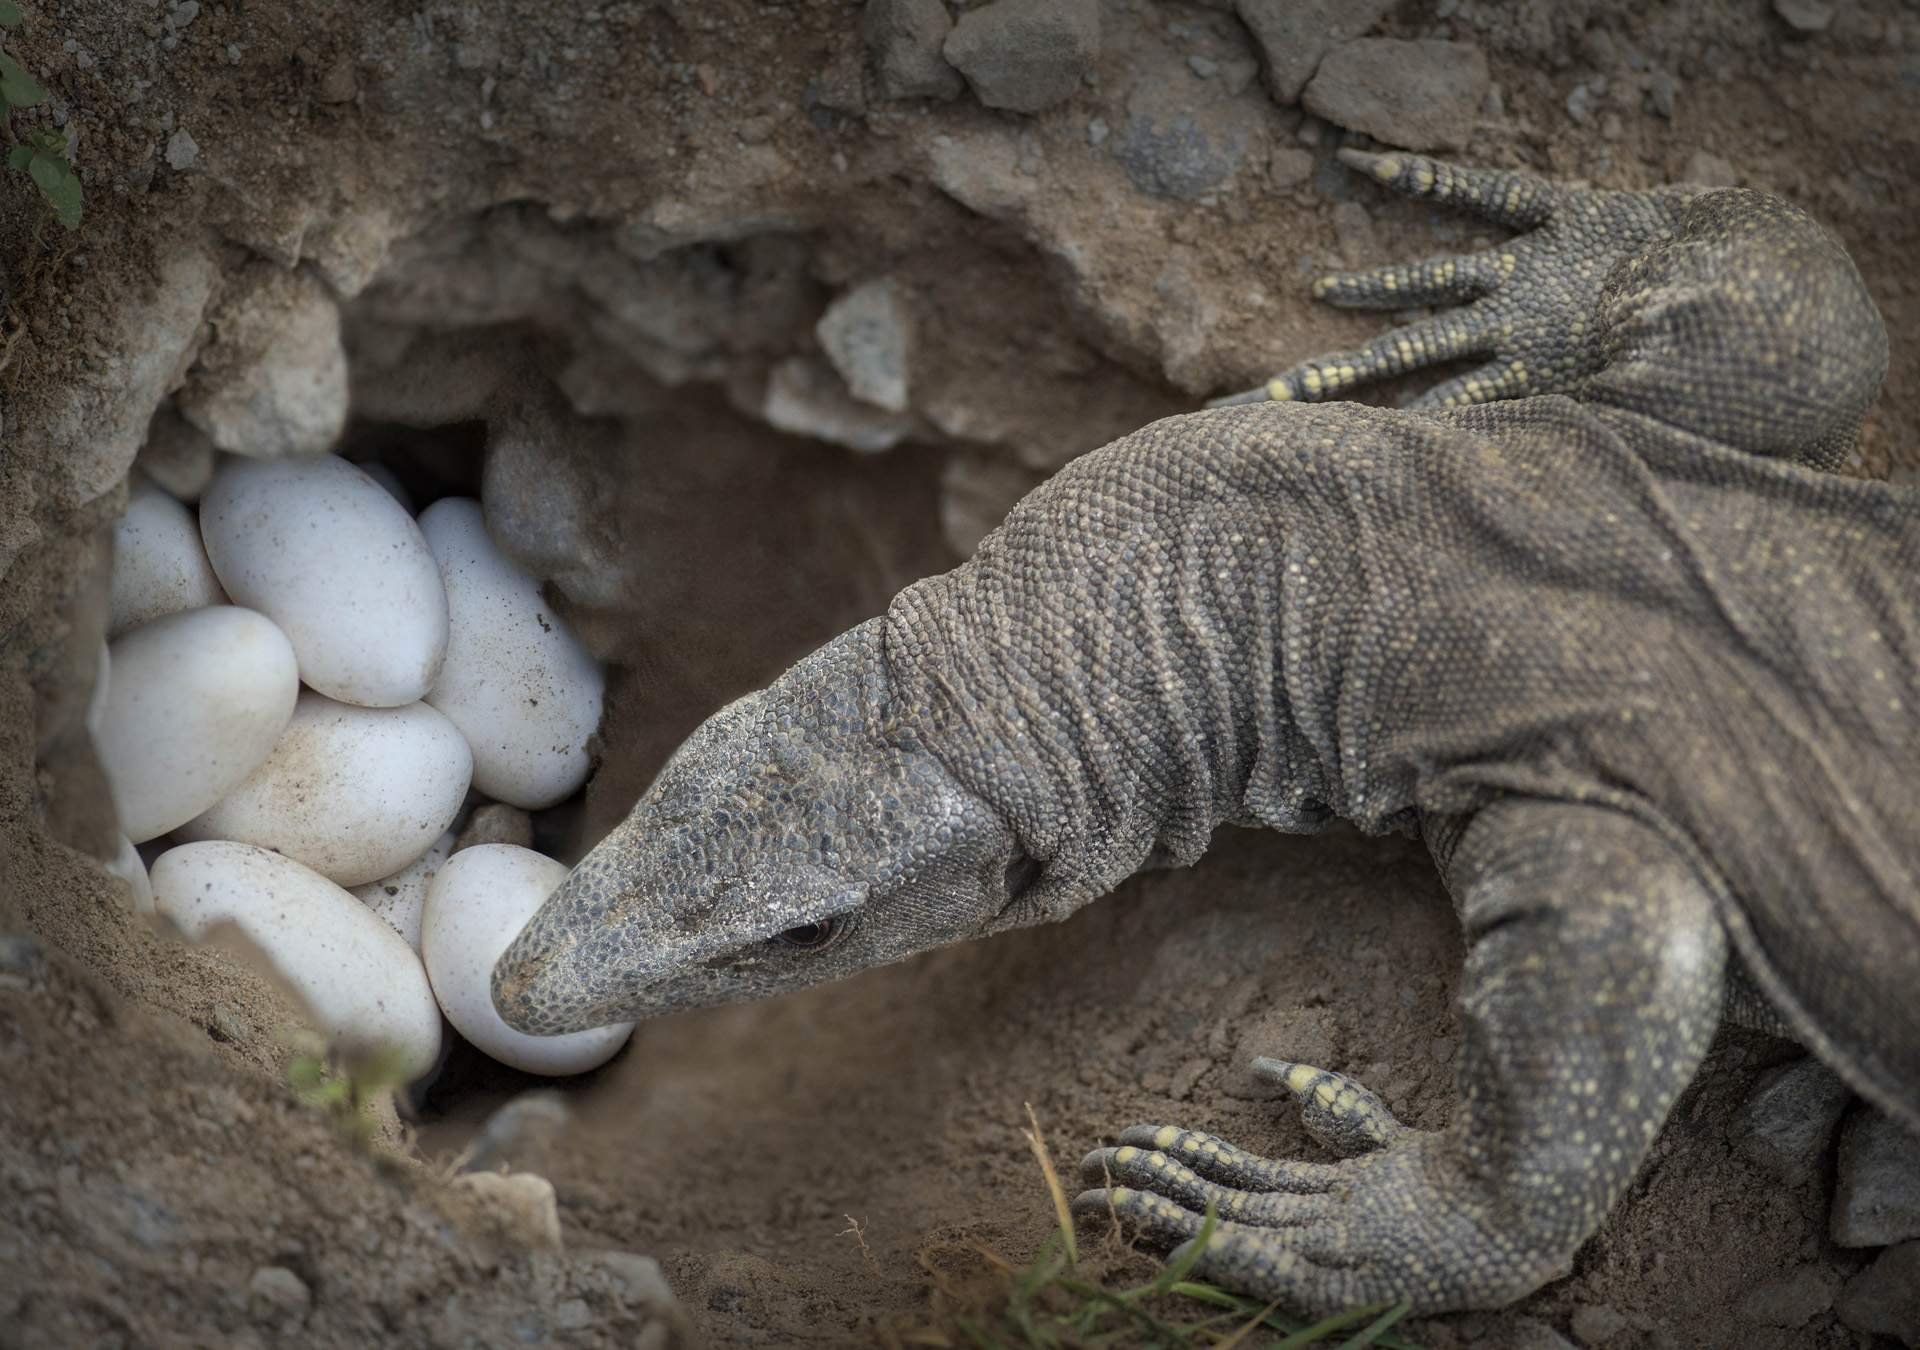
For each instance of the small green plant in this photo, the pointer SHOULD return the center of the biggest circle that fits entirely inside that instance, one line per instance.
(1053, 1305)
(343, 1089)
(42, 154)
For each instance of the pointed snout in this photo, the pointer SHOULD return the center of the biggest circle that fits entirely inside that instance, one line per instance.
(565, 971)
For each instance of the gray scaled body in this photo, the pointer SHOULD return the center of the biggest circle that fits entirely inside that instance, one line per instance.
(1596, 619)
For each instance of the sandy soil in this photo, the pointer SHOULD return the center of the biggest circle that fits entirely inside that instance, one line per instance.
(645, 209)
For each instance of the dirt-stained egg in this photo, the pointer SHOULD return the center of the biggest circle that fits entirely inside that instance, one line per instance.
(333, 559)
(160, 566)
(362, 984)
(401, 898)
(354, 793)
(516, 679)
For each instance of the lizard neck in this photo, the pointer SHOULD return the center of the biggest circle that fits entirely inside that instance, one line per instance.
(1107, 671)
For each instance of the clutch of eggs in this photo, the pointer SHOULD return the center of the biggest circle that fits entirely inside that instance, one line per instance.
(303, 686)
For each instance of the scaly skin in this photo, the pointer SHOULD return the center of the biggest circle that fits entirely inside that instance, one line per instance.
(1644, 677)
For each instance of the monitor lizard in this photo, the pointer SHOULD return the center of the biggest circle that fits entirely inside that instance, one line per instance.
(1597, 620)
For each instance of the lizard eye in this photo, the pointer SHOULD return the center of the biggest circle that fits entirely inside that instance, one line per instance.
(810, 936)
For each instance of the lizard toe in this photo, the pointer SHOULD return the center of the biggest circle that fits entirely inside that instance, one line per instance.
(1343, 1117)
(1153, 1171)
(1217, 1160)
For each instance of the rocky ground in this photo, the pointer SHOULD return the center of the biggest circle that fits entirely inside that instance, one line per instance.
(744, 314)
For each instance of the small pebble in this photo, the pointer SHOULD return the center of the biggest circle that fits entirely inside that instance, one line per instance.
(276, 1293)
(182, 150)
(1876, 1196)
(496, 823)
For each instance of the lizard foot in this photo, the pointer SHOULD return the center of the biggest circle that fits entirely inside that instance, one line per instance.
(1401, 1217)
(1524, 304)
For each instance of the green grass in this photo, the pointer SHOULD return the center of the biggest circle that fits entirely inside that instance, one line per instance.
(1057, 1303)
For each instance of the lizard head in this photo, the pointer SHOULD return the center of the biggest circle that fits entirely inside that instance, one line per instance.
(801, 834)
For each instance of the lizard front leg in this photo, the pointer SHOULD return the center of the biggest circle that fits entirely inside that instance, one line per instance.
(1529, 308)
(1592, 987)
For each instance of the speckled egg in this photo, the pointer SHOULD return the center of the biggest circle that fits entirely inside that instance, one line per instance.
(354, 793)
(401, 898)
(516, 680)
(333, 559)
(160, 566)
(358, 978)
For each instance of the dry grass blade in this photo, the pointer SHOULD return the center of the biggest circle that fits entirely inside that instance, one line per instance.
(1038, 1143)
(1247, 1329)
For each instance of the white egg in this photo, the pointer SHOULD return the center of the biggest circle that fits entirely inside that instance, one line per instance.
(127, 867)
(195, 704)
(479, 902)
(516, 679)
(354, 793)
(400, 898)
(322, 549)
(159, 564)
(358, 978)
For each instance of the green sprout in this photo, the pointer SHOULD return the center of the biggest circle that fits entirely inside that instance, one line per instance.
(344, 1089)
(42, 153)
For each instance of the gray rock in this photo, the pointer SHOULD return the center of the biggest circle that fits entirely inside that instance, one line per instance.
(1789, 1118)
(496, 823)
(840, 86)
(1663, 92)
(981, 169)
(1289, 166)
(1526, 1334)
(516, 1209)
(806, 397)
(1596, 1324)
(642, 1288)
(1884, 1299)
(274, 380)
(1293, 35)
(1419, 95)
(182, 150)
(1174, 146)
(1709, 170)
(542, 504)
(1805, 16)
(22, 960)
(904, 37)
(1876, 1200)
(866, 334)
(520, 1134)
(276, 1294)
(1791, 1299)
(177, 455)
(224, 1023)
(1353, 230)
(1026, 55)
